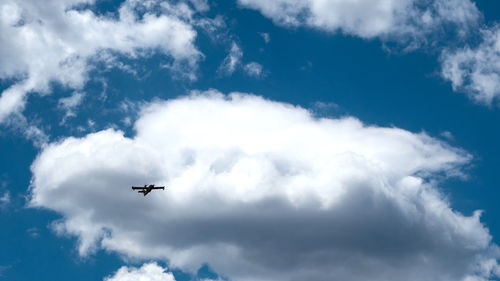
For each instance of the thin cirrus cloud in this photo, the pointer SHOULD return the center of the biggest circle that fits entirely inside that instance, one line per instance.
(233, 61)
(69, 104)
(262, 190)
(53, 41)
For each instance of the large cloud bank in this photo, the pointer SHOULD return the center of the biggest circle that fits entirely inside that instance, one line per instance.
(398, 19)
(476, 70)
(262, 190)
(53, 41)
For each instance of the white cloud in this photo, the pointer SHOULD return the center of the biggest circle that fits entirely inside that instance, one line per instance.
(262, 190)
(34, 232)
(148, 272)
(253, 69)
(35, 135)
(265, 36)
(53, 42)
(12, 100)
(5, 199)
(476, 71)
(410, 24)
(398, 19)
(29, 129)
(232, 60)
(200, 5)
(447, 134)
(69, 104)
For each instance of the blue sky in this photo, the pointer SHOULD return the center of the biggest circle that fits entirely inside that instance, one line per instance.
(367, 132)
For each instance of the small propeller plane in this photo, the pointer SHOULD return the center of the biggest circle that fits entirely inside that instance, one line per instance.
(147, 188)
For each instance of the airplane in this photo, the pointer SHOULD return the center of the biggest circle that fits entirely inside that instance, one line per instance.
(147, 188)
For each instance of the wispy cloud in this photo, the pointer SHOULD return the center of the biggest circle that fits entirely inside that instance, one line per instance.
(69, 104)
(253, 69)
(232, 60)
(265, 36)
(5, 199)
(34, 232)
(447, 135)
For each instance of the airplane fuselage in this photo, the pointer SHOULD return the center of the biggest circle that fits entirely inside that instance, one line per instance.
(147, 188)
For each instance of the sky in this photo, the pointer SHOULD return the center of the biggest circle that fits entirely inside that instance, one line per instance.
(297, 140)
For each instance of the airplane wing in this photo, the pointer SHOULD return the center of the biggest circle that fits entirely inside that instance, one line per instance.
(146, 189)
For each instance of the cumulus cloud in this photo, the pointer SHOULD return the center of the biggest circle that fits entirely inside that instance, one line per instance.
(55, 41)
(148, 272)
(476, 70)
(394, 19)
(263, 190)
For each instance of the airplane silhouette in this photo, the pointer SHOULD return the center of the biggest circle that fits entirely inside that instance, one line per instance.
(147, 188)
